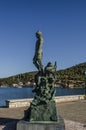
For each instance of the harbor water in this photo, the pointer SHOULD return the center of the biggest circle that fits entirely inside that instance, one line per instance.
(23, 93)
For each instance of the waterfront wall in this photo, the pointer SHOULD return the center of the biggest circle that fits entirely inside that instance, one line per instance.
(26, 102)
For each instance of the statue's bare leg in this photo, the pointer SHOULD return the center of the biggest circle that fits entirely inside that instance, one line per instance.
(40, 65)
(35, 63)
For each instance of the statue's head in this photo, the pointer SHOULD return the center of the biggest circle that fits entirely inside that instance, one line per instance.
(38, 34)
(50, 64)
(50, 68)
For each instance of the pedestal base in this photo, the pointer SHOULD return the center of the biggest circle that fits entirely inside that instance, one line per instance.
(41, 125)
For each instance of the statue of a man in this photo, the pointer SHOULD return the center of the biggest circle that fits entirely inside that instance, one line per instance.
(37, 60)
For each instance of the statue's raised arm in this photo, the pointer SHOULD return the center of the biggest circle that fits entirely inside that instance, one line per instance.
(37, 60)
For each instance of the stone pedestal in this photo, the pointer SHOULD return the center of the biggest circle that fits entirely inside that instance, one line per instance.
(41, 125)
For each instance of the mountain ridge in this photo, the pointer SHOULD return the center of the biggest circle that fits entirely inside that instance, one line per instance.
(72, 76)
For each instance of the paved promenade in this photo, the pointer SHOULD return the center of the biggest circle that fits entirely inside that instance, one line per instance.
(74, 114)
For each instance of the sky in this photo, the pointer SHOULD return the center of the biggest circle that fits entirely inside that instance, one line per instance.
(63, 25)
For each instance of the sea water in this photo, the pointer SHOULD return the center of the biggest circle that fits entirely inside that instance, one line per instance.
(23, 93)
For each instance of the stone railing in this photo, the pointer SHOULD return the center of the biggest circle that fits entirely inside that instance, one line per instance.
(18, 103)
(68, 98)
(26, 102)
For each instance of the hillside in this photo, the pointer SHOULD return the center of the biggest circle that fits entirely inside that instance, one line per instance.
(70, 77)
(73, 76)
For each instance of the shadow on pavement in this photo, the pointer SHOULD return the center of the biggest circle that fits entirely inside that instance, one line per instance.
(8, 123)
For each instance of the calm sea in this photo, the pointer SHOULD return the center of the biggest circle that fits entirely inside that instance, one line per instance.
(21, 93)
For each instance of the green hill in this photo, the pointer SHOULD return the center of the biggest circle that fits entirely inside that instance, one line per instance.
(73, 76)
(70, 77)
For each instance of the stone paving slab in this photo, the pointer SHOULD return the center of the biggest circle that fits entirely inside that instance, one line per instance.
(71, 125)
(74, 111)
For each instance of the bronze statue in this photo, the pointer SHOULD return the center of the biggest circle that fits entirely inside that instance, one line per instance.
(43, 107)
(42, 112)
(37, 60)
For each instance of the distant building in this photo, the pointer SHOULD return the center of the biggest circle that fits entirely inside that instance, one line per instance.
(15, 85)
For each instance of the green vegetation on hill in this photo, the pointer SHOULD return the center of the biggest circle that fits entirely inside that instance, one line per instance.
(70, 77)
(24, 78)
(73, 76)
